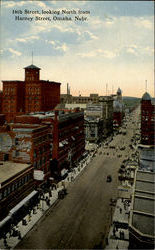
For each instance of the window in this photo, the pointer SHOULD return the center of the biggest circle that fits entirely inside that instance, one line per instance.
(35, 164)
(13, 187)
(16, 141)
(16, 185)
(34, 154)
(9, 190)
(20, 182)
(16, 153)
(5, 192)
(1, 196)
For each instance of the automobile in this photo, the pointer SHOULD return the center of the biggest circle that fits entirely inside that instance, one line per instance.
(122, 148)
(109, 178)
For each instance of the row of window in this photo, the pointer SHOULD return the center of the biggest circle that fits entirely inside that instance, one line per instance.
(41, 139)
(39, 164)
(41, 150)
(33, 90)
(9, 90)
(15, 186)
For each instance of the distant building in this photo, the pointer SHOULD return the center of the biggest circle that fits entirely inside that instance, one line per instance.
(68, 98)
(99, 119)
(31, 95)
(94, 130)
(142, 213)
(147, 146)
(118, 107)
(107, 104)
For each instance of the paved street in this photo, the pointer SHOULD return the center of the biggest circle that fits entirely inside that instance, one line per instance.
(82, 218)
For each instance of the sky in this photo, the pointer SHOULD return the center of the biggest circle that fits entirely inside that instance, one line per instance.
(114, 46)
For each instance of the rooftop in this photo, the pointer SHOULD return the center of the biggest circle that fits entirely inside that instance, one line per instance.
(32, 67)
(9, 169)
(146, 97)
(142, 210)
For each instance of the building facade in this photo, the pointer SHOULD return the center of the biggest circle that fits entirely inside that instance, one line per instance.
(118, 107)
(31, 95)
(27, 143)
(147, 120)
(1, 98)
(16, 183)
(147, 145)
(68, 140)
(50, 141)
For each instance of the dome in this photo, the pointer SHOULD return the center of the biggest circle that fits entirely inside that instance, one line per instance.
(146, 97)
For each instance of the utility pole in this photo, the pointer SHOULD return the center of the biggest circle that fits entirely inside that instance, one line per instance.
(146, 85)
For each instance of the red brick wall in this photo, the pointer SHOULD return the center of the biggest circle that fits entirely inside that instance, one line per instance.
(1, 99)
(147, 122)
(13, 99)
(50, 93)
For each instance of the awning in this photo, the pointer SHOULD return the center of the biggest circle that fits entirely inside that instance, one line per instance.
(3, 222)
(64, 171)
(20, 204)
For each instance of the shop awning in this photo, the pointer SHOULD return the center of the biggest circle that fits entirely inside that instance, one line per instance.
(20, 204)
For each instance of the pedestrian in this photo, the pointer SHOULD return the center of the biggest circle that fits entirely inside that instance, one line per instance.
(114, 231)
(19, 235)
(107, 242)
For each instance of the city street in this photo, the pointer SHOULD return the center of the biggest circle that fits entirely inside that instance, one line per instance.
(82, 219)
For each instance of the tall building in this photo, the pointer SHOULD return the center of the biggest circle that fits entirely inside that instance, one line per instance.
(118, 109)
(13, 102)
(99, 119)
(147, 120)
(31, 95)
(147, 146)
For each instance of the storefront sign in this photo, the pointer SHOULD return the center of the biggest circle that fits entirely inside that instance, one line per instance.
(38, 175)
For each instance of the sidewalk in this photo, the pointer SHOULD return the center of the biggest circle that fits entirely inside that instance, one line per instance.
(42, 207)
(118, 237)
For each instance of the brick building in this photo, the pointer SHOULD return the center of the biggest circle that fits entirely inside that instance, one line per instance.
(13, 99)
(147, 156)
(118, 107)
(50, 141)
(31, 95)
(26, 143)
(16, 182)
(147, 120)
(1, 98)
(68, 140)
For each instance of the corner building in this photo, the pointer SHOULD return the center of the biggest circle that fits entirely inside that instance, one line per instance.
(31, 95)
